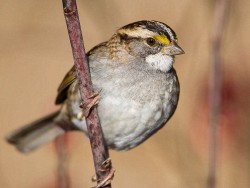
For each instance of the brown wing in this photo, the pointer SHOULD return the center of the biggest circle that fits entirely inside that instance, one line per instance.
(69, 78)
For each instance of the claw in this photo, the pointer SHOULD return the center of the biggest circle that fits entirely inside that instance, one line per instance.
(95, 94)
(94, 178)
(80, 116)
(105, 166)
(81, 105)
(94, 99)
(107, 180)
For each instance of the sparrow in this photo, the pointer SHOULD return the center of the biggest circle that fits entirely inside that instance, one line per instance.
(138, 88)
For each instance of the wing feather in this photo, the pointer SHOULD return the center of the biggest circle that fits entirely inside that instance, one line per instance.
(69, 78)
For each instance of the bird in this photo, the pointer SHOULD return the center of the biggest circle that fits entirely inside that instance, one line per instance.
(137, 84)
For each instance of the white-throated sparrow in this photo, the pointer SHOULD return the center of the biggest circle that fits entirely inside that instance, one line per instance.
(138, 86)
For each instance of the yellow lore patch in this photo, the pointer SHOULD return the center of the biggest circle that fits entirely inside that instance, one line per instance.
(162, 38)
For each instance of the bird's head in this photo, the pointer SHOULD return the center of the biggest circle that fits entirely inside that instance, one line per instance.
(153, 41)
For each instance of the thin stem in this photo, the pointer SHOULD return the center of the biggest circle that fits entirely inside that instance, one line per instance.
(99, 149)
(220, 14)
(63, 180)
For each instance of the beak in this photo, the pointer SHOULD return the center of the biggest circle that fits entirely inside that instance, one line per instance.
(173, 49)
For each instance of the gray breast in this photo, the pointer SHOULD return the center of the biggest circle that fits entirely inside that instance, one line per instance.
(135, 102)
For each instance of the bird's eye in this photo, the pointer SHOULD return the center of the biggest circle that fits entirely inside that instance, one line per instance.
(150, 41)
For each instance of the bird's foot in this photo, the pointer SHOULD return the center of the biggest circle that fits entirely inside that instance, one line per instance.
(106, 166)
(93, 100)
(107, 180)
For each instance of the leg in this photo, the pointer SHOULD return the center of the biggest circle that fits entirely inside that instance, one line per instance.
(106, 166)
(92, 101)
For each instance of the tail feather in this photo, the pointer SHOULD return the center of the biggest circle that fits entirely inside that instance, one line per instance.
(33, 135)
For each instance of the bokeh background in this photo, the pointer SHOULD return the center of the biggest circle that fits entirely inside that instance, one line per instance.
(35, 54)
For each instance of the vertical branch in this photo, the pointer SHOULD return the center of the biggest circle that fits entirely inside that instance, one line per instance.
(220, 15)
(63, 179)
(99, 149)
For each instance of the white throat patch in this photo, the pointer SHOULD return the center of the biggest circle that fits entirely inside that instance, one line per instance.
(160, 61)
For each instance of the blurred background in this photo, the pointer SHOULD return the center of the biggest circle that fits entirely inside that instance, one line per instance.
(35, 54)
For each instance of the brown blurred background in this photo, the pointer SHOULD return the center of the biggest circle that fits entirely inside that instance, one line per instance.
(35, 54)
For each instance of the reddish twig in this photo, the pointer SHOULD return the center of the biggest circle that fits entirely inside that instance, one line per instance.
(99, 150)
(220, 15)
(63, 179)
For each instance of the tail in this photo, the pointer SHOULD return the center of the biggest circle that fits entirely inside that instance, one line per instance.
(33, 135)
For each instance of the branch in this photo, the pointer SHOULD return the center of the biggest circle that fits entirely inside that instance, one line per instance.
(99, 149)
(63, 178)
(220, 15)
